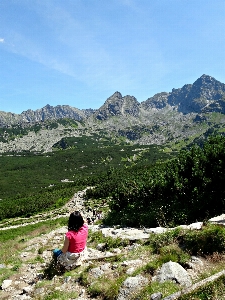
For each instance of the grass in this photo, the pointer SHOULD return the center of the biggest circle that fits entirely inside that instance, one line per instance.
(31, 230)
(107, 288)
(166, 288)
(214, 290)
(63, 295)
(13, 241)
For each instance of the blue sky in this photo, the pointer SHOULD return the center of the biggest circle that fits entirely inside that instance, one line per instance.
(79, 52)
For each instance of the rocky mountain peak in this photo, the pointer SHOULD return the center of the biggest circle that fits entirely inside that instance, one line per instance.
(116, 95)
(202, 95)
(206, 94)
(208, 83)
(117, 105)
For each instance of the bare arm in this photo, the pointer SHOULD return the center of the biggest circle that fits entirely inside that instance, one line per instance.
(66, 245)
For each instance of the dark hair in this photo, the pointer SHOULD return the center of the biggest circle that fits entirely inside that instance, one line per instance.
(76, 221)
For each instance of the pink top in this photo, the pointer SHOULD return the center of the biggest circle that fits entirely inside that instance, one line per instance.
(77, 239)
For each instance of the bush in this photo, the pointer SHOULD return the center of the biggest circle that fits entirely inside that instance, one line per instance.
(206, 241)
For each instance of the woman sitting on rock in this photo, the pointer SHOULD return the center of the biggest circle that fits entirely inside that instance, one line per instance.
(74, 249)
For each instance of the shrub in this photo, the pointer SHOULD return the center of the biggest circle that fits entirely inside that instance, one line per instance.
(206, 241)
(157, 241)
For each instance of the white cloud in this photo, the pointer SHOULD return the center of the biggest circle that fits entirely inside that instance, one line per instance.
(2, 40)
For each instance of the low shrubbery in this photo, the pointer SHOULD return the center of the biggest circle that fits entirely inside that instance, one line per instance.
(35, 182)
(186, 189)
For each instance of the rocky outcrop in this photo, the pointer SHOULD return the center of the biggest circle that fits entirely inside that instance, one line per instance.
(40, 115)
(116, 105)
(205, 94)
(52, 113)
(158, 101)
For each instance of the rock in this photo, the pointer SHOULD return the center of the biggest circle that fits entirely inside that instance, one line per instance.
(96, 272)
(172, 271)
(67, 279)
(131, 234)
(101, 246)
(218, 220)
(196, 226)
(117, 250)
(134, 262)
(156, 296)
(28, 289)
(39, 291)
(2, 266)
(6, 283)
(114, 267)
(158, 230)
(195, 262)
(106, 267)
(130, 271)
(131, 285)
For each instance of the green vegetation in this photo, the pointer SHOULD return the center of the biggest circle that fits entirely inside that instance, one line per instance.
(213, 290)
(31, 230)
(47, 181)
(180, 191)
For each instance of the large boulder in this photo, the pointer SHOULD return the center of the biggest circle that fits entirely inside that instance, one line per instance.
(172, 271)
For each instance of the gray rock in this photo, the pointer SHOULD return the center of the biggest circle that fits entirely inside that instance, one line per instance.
(130, 271)
(156, 296)
(101, 246)
(106, 267)
(131, 285)
(28, 289)
(6, 283)
(67, 279)
(172, 271)
(195, 262)
(96, 272)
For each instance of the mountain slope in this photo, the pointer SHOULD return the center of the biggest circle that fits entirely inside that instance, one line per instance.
(186, 113)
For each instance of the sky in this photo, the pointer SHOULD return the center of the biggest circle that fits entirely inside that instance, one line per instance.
(79, 52)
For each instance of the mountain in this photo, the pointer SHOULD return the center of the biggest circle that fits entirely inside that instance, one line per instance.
(46, 113)
(116, 105)
(206, 94)
(186, 113)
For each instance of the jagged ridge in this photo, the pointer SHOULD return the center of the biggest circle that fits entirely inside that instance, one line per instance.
(165, 117)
